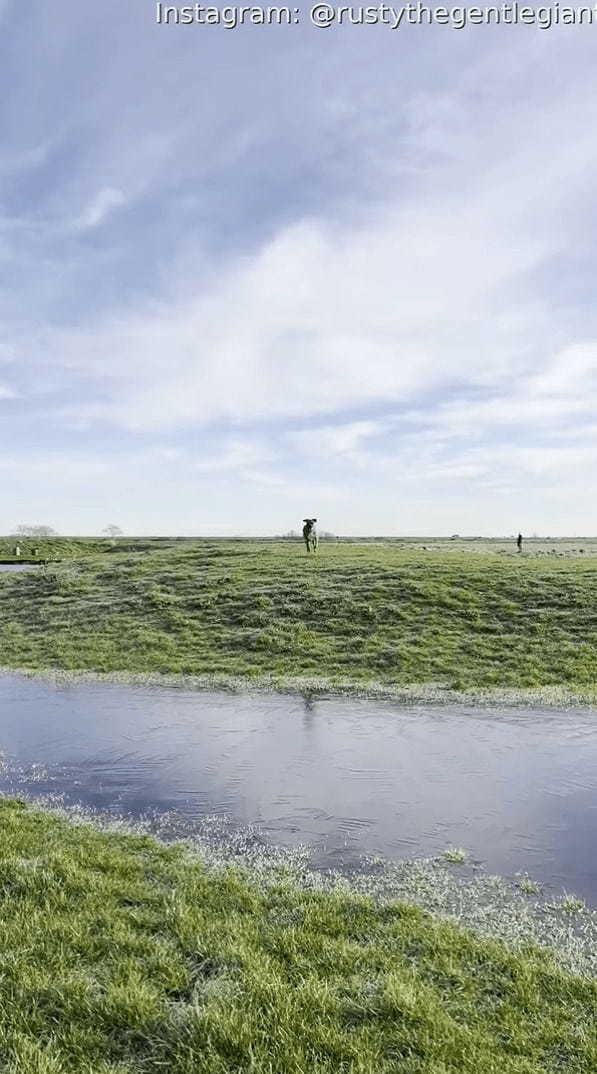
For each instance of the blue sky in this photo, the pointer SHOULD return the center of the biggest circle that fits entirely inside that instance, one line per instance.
(248, 276)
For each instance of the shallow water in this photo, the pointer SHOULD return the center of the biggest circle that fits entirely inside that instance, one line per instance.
(516, 787)
(18, 567)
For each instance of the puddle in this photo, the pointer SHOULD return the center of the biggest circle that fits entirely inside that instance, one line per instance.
(17, 568)
(516, 787)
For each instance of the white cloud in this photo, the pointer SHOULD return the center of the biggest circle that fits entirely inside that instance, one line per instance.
(105, 202)
(405, 287)
(7, 354)
(556, 462)
(235, 455)
(419, 295)
(342, 439)
(22, 159)
(314, 322)
(571, 373)
(46, 467)
(261, 477)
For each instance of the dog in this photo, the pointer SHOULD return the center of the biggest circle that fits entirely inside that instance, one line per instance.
(310, 534)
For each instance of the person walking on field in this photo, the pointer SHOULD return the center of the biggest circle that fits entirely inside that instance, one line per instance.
(519, 542)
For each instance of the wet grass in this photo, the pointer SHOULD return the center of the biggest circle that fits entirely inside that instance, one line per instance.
(120, 955)
(516, 910)
(370, 616)
(456, 855)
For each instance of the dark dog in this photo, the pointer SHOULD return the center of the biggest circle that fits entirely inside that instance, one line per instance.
(310, 534)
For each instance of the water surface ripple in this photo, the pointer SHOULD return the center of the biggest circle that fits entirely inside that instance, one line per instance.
(516, 787)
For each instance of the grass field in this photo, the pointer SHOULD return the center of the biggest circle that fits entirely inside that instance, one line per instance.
(122, 956)
(453, 615)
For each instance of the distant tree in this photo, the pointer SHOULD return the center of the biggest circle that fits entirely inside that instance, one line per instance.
(113, 531)
(295, 535)
(35, 531)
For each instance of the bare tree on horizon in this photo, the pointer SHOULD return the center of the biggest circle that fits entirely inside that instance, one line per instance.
(25, 530)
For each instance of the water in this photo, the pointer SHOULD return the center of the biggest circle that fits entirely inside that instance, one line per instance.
(17, 567)
(517, 788)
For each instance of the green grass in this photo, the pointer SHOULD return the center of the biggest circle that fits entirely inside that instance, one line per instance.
(456, 855)
(119, 955)
(59, 548)
(393, 614)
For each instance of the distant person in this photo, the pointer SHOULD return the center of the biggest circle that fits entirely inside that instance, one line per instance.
(17, 550)
(310, 534)
(519, 542)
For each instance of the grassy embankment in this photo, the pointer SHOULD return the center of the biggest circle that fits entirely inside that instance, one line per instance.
(364, 615)
(119, 955)
(122, 956)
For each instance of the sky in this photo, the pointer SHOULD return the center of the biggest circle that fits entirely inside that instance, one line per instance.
(250, 276)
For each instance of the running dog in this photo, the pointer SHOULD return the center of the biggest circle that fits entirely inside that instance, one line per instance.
(310, 534)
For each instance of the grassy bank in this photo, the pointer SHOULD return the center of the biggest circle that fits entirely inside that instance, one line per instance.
(364, 615)
(121, 955)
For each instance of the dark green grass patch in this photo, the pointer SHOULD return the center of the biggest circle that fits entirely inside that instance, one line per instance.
(118, 954)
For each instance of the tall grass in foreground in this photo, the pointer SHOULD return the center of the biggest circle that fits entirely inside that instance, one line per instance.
(120, 955)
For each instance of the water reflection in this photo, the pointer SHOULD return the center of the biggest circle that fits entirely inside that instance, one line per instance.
(517, 788)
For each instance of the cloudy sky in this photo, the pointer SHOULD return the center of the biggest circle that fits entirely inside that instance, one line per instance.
(256, 274)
